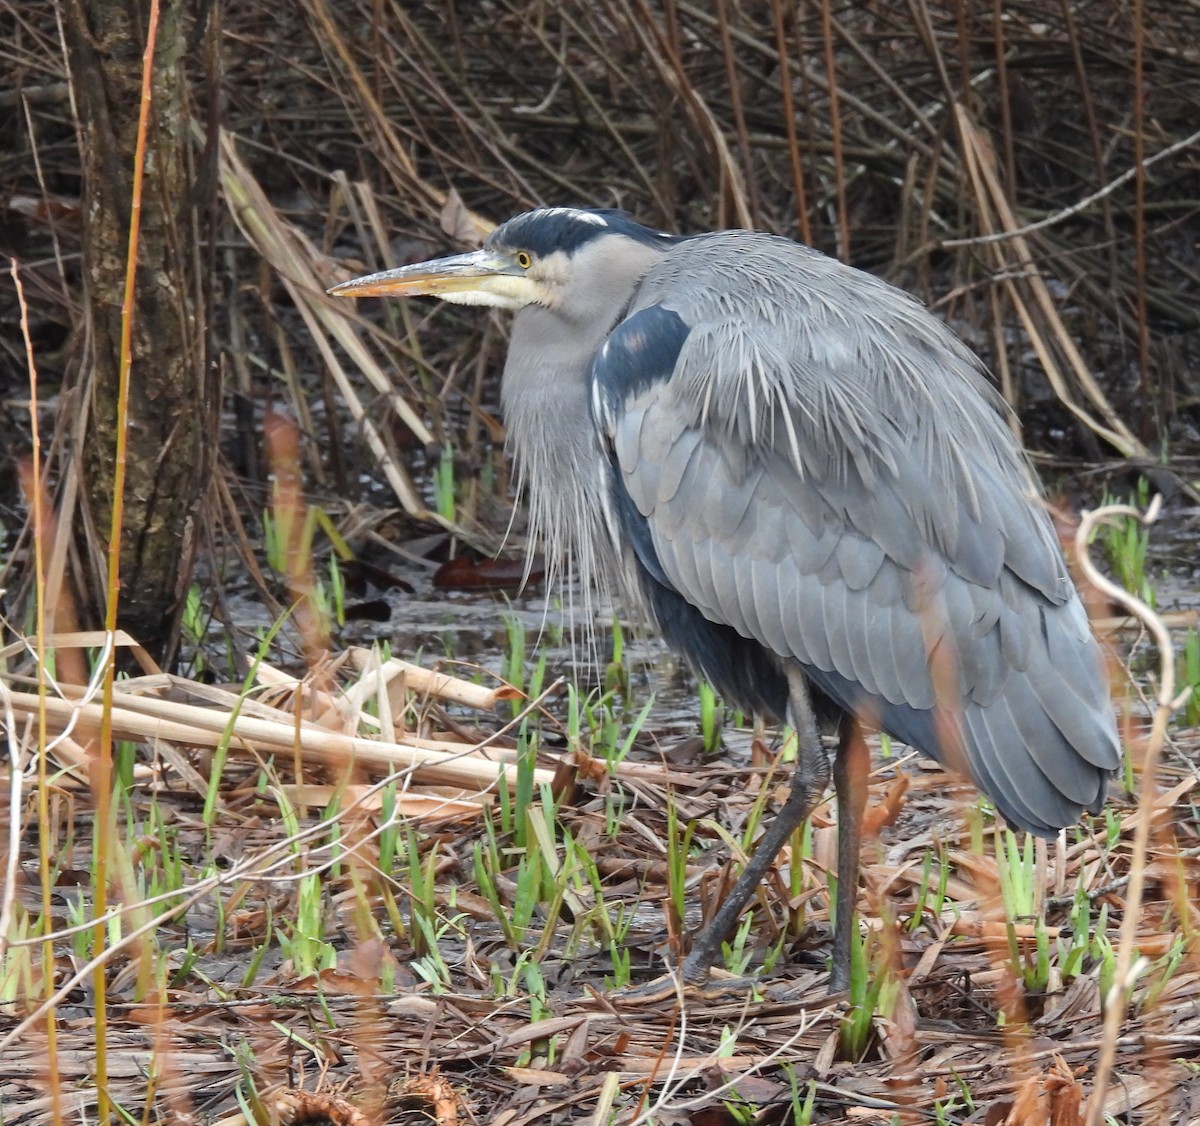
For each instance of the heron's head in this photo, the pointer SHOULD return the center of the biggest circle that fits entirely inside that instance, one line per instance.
(561, 258)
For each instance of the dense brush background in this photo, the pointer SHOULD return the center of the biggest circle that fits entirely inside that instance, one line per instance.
(840, 124)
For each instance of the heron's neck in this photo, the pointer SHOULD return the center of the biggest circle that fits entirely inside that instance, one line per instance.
(553, 443)
(545, 395)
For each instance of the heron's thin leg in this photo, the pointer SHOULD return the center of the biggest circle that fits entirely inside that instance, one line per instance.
(850, 769)
(809, 782)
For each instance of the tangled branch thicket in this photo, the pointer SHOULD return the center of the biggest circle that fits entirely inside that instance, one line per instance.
(886, 132)
(862, 133)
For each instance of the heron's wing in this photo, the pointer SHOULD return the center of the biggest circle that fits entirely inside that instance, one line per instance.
(807, 491)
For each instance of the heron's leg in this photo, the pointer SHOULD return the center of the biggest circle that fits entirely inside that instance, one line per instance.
(850, 769)
(809, 782)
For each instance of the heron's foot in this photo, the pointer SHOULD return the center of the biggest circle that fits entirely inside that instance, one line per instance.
(695, 969)
(705, 953)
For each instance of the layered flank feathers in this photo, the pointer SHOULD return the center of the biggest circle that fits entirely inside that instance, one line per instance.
(791, 478)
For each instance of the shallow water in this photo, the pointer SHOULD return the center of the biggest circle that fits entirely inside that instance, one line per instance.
(429, 625)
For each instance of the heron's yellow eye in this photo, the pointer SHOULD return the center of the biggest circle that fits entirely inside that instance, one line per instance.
(523, 260)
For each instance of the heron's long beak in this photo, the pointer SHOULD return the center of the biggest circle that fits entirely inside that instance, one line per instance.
(464, 274)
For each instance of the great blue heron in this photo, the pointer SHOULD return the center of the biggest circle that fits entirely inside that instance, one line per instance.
(810, 484)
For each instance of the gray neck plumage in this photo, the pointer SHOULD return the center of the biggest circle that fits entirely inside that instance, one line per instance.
(559, 461)
(545, 395)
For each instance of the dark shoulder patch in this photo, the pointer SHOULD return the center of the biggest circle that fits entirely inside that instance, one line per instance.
(640, 352)
(549, 229)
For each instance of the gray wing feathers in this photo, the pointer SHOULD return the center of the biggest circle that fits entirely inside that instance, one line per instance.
(768, 593)
(885, 657)
(737, 551)
(858, 561)
(1012, 778)
(627, 439)
(833, 601)
(785, 499)
(861, 625)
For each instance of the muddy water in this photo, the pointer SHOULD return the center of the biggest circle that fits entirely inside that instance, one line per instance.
(475, 628)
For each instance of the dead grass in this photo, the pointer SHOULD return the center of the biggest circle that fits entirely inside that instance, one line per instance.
(191, 1024)
(998, 962)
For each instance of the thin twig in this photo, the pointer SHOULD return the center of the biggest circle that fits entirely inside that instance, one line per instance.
(1081, 205)
(1127, 970)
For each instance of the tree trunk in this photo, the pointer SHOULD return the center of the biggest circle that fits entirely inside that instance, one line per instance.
(171, 402)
